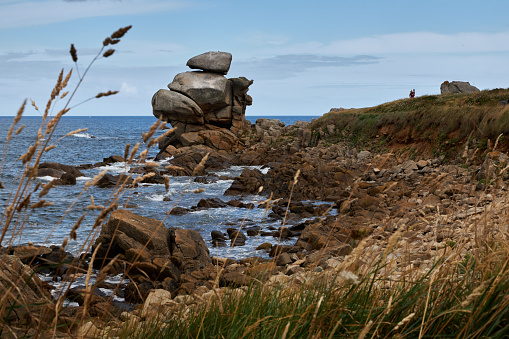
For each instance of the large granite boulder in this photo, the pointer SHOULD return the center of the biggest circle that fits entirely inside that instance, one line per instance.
(457, 87)
(209, 90)
(216, 62)
(176, 107)
(125, 231)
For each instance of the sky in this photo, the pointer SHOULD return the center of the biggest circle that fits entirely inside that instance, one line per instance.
(305, 57)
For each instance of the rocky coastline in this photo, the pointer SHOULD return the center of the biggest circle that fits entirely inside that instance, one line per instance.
(365, 198)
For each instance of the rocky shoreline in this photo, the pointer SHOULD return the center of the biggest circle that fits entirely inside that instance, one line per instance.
(373, 196)
(366, 199)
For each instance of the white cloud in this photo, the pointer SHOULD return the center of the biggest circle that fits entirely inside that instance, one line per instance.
(413, 42)
(128, 89)
(33, 13)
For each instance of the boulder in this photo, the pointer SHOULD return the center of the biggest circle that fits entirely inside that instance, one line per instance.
(23, 293)
(110, 180)
(320, 235)
(211, 203)
(457, 87)
(172, 106)
(62, 168)
(209, 90)
(66, 179)
(216, 62)
(113, 158)
(126, 231)
(49, 172)
(247, 183)
(188, 249)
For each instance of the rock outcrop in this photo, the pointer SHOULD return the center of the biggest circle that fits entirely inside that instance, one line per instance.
(204, 106)
(457, 87)
(27, 297)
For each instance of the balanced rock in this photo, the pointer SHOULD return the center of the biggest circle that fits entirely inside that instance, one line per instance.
(204, 107)
(457, 87)
(216, 62)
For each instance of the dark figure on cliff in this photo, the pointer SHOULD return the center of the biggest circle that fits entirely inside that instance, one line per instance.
(503, 102)
(412, 93)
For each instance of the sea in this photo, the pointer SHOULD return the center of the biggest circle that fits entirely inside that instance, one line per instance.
(106, 136)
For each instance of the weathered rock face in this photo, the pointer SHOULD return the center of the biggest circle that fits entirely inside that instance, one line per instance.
(126, 230)
(205, 107)
(209, 90)
(188, 247)
(457, 87)
(173, 106)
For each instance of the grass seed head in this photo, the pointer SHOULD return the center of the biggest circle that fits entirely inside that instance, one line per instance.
(201, 166)
(166, 182)
(105, 94)
(126, 151)
(108, 53)
(74, 53)
(66, 80)
(18, 131)
(46, 188)
(120, 32)
(33, 104)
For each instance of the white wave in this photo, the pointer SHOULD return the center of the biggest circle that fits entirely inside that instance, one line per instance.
(117, 168)
(149, 185)
(156, 197)
(82, 178)
(47, 177)
(84, 135)
(234, 171)
(165, 161)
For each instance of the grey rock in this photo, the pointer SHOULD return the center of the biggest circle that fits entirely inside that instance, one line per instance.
(241, 84)
(457, 87)
(61, 167)
(209, 90)
(363, 155)
(283, 259)
(173, 106)
(217, 62)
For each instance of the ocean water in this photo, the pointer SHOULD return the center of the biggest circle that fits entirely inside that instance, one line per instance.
(106, 136)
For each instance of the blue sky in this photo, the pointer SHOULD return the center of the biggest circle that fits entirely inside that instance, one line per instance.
(305, 57)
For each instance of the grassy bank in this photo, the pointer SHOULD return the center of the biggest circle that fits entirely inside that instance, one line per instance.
(429, 120)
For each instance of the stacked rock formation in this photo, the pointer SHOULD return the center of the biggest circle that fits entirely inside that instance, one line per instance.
(204, 106)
